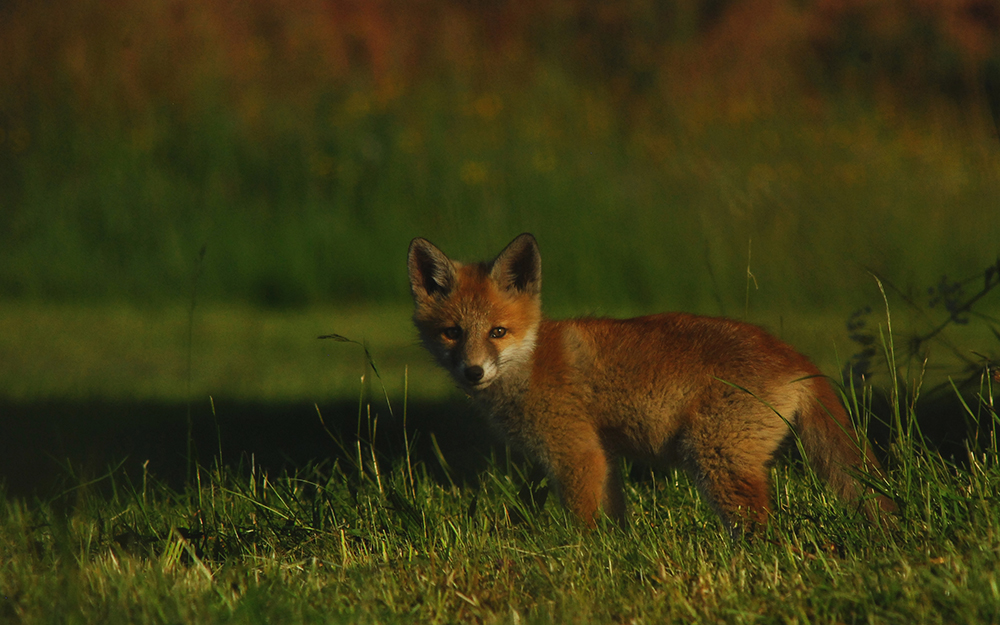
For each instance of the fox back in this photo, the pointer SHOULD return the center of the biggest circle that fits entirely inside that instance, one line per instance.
(715, 396)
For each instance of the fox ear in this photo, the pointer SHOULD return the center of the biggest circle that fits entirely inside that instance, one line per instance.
(431, 272)
(519, 266)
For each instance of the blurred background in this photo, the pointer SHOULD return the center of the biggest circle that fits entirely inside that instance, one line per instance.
(192, 190)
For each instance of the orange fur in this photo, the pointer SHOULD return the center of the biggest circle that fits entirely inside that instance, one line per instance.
(711, 395)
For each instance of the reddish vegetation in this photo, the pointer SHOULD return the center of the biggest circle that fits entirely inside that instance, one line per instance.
(124, 57)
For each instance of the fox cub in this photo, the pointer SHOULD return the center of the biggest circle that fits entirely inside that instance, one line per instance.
(714, 396)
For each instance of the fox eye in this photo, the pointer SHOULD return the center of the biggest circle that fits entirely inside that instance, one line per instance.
(498, 333)
(452, 334)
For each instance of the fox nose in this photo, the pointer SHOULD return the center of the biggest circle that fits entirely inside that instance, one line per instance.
(474, 373)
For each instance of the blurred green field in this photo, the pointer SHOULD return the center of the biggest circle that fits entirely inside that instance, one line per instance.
(73, 352)
(667, 157)
(653, 168)
(780, 222)
(808, 205)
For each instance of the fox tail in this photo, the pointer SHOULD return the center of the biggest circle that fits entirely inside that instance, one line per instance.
(835, 451)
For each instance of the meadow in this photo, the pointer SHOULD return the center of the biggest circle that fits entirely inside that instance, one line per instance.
(661, 155)
(400, 511)
(364, 538)
(191, 192)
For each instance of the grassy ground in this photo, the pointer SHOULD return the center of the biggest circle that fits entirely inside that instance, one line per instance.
(115, 352)
(371, 540)
(403, 537)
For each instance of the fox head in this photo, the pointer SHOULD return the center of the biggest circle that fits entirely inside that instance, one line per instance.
(479, 320)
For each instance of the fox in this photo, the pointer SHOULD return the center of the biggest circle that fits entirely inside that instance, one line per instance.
(715, 397)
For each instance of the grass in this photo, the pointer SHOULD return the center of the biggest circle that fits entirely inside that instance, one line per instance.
(78, 351)
(348, 545)
(121, 353)
(661, 215)
(374, 539)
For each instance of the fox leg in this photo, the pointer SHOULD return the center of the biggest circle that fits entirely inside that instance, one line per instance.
(734, 481)
(589, 480)
(739, 494)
